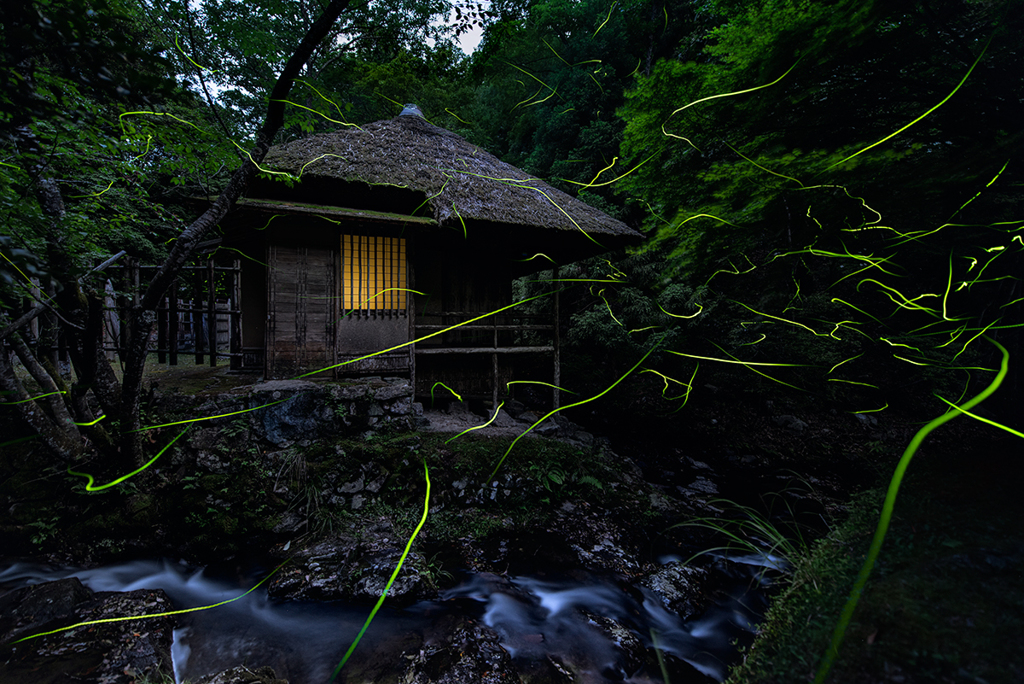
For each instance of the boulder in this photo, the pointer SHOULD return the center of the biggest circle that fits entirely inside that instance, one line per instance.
(105, 651)
(243, 675)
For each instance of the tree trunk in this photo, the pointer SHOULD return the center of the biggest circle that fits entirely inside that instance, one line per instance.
(143, 316)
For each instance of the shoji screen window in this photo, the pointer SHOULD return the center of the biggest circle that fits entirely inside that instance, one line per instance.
(373, 275)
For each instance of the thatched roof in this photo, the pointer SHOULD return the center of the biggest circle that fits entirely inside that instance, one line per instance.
(459, 181)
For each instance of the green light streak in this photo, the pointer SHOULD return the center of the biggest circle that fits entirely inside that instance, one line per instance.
(783, 320)
(562, 408)
(737, 92)
(194, 63)
(425, 337)
(666, 379)
(978, 194)
(870, 410)
(25, 401)
(391, 580)
(906, 303)
(983, 420)
(457, 117)
(91, 422)
(758, 341)
(887, 507)
(699, 309)
(697, 216)
(303, 168)
(766, 170)
(152, 615)
(609, 307)
(594, 184)
(737, 361)
(752, 369)
(538, 382)
(877, 320)
(326, 99)
(605, 19)
(168, 115)
(477, 427)
(222, 415)
(979, 334)
(845, 361)
(457, 395)
(853, 382)
(95, 194)
(89, 485)
(942, 102)
(539, 254)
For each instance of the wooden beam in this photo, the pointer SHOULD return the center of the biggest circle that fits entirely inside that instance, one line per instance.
(211, 312)
(484, 350)
(556, 344)
(235, 317)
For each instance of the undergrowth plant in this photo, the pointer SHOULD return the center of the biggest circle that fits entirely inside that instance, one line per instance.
(747, 530)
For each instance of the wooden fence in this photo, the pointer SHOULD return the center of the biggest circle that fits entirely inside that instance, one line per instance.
(201, 314)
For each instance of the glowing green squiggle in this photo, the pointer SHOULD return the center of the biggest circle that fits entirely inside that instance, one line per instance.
(222, 415)
(391, 580)
(89, 485)
(887, 506)
(25, 401)
(152, 615)
(477, 427)
(562, 408)
(942, 102)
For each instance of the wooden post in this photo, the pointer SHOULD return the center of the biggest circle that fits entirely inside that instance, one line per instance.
(172, 323)
(235, 319)
(211, 311)
(494, 375)
(197, 316)
(410, 307)
(161, 331)
(556, 343)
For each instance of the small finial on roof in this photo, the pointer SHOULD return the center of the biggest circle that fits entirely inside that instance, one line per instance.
(412, 110)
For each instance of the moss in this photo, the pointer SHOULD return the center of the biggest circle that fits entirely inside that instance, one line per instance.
(942, 602)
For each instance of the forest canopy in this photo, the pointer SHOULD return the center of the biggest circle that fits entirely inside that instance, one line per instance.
(832, 187)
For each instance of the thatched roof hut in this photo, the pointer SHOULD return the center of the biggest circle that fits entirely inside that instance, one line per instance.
(392, 250)
(416, 168)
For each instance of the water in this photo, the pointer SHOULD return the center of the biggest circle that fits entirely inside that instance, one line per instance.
(536, 618)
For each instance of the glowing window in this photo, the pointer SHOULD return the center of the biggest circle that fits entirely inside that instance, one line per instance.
(373, 273)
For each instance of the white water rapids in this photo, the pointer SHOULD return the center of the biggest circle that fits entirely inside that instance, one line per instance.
(534, 617)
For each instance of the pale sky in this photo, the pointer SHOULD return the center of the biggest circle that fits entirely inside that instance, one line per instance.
(468, 41)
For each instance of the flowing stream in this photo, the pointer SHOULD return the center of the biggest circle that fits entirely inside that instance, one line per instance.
(535, 618)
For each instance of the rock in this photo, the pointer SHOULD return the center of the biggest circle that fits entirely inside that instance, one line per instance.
(303, 416)
(118, 652)
(504, 420)
(290, 522)
(210, 461)
(634, 653)
(458, 650)
(790, 423)
(348, 392)
(679, 588)
(243, 675)
(702, 485)
(409, 586)
(392, 392)
(36, 605)
(514, 408)
(354, 486)
(866, 420)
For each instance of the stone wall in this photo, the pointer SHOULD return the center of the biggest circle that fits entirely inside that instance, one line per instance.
(286, 412)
